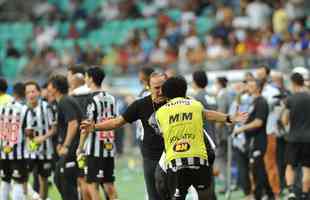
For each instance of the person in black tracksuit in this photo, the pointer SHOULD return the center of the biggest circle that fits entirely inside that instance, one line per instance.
(69, 117)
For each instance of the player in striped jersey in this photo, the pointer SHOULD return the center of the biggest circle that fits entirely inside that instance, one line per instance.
(41, 125)
(99, 146)
(13, 155)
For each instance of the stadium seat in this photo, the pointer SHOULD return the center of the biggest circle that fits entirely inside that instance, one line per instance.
(12, 66)
(174, 14)
(204, 24)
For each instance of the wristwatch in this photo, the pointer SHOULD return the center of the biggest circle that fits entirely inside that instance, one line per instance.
(228, 119)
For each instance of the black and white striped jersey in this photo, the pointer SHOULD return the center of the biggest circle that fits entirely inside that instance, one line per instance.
(12, 130)
(101, 143)
(40, 119)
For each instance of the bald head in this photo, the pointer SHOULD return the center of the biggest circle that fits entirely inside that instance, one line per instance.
(156, 81)
(77, 81)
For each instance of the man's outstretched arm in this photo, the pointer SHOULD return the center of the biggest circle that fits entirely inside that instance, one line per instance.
(107, 125)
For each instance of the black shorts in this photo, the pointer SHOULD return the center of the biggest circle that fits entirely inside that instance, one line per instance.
(179, 181)
(14, 169)
(298, 153)
(42, 167)
(99, 170)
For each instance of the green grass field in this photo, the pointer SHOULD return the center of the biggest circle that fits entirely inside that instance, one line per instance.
(129, 180)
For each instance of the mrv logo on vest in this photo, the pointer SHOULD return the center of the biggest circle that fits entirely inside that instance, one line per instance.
(180, 117)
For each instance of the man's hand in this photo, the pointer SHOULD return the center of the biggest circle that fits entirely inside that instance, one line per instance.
(87, 126)
(62, 150)
(79, 151)
(239, 117)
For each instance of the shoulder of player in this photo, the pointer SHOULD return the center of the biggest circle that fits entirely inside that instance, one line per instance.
(97, 96)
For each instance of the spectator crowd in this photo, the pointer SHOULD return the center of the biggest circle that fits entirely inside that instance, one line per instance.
(183, 35)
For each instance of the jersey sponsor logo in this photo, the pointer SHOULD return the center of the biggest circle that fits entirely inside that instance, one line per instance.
(47, 166)
(181, 146)
(108, 146)
(177, 193)
(180, 117)
(100, 174)
(104, 135)
(201, 187)
(180, 101)
(16, 174)
(186, 136)
(9, 131)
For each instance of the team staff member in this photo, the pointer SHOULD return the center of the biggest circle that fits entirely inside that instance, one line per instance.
(256, 139)
(69, 117)
(99, 147)
(42, 126)
(152, 145)
(82, 95)
(298, 139)
(14, 154)
(181, 122)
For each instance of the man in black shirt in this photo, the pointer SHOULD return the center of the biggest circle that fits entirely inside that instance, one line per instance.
(255, 132)
(69, 117)
(298, 139)
(152, 144)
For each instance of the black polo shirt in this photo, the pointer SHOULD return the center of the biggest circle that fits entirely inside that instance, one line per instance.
(144, 109)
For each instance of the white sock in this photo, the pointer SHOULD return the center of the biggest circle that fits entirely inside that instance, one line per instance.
(18, 192)
(5, 190)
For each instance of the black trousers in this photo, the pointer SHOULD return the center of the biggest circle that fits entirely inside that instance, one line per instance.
(281, 161)
(260, 177)
(161, 179)
(65, 178)
(149, 168)
(242, 161)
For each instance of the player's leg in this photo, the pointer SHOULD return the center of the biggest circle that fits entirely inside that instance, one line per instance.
(292, 154)
(202, 181)
(44, 171)
(149, 167)
(305, 162)
(94, 173)
(84, 192)
(66, 178)
(93, 190)
(305, 183)
(179, 182)
(20, 176)
(109, 178)
(260, 175)
(110, 190)
(5, 175)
